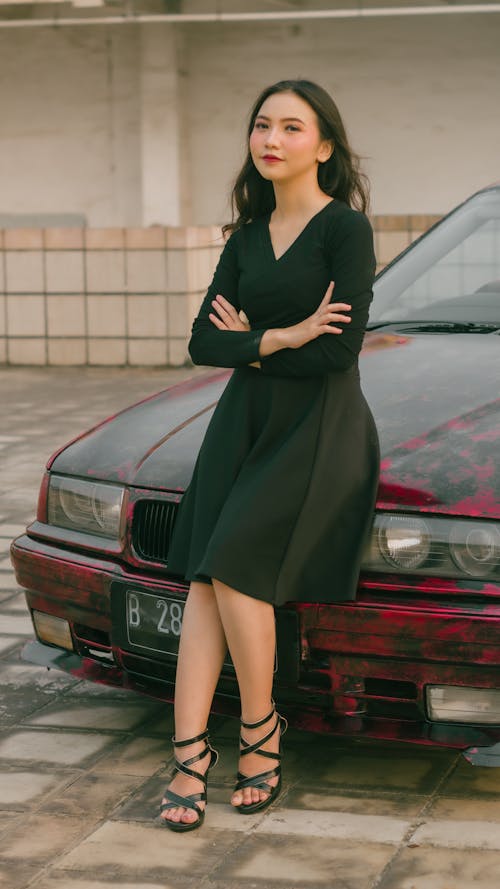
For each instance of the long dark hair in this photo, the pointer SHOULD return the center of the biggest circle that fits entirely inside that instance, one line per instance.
(340, 176)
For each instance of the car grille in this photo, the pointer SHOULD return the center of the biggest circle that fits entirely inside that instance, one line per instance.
(152, 528)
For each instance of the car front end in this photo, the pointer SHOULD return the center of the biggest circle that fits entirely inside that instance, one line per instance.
(416, 657)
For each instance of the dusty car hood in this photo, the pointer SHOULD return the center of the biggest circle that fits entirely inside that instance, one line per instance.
(150, 444)
(434, 398)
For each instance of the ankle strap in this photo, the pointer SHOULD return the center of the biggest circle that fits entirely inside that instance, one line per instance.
(188, 741)
(261, 721)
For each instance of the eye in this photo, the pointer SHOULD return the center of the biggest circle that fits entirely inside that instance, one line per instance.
(293, 128)
(259, 125)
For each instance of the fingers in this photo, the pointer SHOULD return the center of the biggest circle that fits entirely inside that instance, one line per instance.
(224, 308)
(328, 295)
(328, 317)
(329, 312)
(218, 322)
(325, 302)
(227, 318)
(339, 307)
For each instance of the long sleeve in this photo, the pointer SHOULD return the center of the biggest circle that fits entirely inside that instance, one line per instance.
(352, 268)
(223, 348)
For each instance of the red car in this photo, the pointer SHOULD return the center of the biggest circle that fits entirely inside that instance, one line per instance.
(417, 656)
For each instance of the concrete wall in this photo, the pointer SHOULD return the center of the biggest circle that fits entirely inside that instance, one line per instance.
(70, 134)
(102, 296)
(418, 96)
(89, 127)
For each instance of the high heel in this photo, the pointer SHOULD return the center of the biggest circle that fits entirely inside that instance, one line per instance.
(189, 802)
(260, 781)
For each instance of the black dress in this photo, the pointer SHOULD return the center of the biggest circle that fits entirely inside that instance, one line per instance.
(282, 495)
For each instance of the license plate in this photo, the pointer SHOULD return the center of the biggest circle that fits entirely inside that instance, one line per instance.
(153, 622)
(144, 621)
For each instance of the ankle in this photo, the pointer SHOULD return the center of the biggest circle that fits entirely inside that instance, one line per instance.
(254, 719)
(186, 741)
(183, 750)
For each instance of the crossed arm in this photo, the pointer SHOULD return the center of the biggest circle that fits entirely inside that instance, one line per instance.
(311, 348)
(225, 317)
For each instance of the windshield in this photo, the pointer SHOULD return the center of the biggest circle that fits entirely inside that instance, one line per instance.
(451, 275)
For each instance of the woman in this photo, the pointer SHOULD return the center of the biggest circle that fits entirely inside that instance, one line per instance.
(282, 493)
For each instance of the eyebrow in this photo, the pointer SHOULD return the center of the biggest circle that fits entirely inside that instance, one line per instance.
(283, 119)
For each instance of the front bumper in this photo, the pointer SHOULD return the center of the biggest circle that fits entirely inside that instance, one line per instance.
(361, 667)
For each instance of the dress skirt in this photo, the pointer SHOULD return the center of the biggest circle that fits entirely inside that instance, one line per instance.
(281, 499)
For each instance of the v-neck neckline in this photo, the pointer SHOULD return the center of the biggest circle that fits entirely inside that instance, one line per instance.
(267, 220)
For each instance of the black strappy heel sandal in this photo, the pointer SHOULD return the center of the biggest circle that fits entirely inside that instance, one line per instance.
(189, 802)
(260, 781)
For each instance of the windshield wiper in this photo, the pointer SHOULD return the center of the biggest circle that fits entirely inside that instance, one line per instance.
(440, 326)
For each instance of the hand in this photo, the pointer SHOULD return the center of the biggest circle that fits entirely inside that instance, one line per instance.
(319, 322)
(227, 318)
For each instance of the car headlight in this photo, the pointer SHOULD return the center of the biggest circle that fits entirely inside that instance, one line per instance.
(431, 545)
(91, 507)
(475, 548)
(404, 542)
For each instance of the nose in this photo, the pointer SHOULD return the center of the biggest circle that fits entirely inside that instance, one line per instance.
(272, 137)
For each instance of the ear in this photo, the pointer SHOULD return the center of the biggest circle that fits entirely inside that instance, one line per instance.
(325, 151)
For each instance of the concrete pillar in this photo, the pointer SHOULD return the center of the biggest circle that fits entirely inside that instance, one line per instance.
(160, 126)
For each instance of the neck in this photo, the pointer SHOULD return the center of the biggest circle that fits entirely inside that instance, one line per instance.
(297, 199)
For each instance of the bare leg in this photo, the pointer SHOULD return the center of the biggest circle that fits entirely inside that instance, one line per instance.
(201, 654)
(250, 630)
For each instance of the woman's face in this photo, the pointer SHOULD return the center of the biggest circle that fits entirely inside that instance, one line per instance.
(285, 142)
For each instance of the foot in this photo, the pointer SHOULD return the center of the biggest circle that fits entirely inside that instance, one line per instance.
(184, 785)
(253, 764)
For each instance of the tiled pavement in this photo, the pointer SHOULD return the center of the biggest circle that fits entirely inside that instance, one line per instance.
(82, 767)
